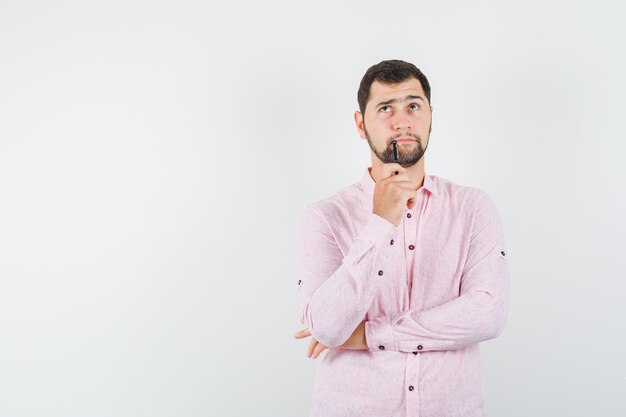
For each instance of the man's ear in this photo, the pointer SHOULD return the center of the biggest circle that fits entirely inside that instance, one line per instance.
(358, 119)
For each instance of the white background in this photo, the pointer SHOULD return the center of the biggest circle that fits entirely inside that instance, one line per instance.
(155, 158)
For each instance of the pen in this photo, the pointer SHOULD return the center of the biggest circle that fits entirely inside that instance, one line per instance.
(395, 152)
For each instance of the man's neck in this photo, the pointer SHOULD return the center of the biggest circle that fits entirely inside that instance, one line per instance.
(415, 172)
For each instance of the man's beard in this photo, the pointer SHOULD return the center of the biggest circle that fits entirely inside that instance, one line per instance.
(406, 158)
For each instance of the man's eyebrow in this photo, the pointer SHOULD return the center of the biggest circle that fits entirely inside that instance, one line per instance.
(395, 100)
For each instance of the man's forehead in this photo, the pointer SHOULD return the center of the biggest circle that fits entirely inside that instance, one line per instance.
(383, 91)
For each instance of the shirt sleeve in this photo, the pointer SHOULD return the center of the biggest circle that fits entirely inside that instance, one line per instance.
(336, 291)
(478, 313)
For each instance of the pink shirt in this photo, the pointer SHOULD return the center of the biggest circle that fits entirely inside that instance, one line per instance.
(429, 291)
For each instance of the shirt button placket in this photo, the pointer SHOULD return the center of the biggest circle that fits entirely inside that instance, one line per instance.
(409, 227)
(412, 384)
(413, 365)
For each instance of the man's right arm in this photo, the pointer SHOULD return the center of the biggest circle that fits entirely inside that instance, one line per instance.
(336, 291)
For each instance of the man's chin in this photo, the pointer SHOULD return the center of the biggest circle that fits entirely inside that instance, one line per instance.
(411, 163)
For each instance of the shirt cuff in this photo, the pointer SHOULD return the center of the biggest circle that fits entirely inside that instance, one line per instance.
(379, 335)
(378, 230)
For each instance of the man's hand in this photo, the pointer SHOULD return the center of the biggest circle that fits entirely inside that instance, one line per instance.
(393, 193)
(315, 347)
(356, 341)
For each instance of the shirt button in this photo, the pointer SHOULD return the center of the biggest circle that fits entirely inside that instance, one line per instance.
(391, 243)
(410, 387)
(381, 347)
(408, 215)
(420, 347)
(299, 281)
(502, 253)
(380, 272)
(411, 247)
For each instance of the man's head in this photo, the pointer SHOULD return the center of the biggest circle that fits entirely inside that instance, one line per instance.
(394, 103)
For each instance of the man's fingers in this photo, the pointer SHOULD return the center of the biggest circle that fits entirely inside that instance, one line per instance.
(318, 349)
(302, 334)
(401, 180)
(390, 169)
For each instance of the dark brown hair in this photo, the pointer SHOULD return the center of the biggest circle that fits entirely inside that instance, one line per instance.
(390, 72)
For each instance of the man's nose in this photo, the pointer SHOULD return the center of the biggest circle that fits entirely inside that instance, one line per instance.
(401, 122)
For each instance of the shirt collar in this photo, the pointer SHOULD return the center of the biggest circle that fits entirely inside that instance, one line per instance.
(368, 183)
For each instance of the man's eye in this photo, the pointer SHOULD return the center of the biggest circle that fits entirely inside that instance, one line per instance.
(414, 106)
(384, 109)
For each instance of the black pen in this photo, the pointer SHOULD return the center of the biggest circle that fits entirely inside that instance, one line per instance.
(395, 152)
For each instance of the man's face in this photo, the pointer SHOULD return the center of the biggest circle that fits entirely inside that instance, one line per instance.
(399, 112)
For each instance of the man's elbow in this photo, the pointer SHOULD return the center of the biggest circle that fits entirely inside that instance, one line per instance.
(497, 317)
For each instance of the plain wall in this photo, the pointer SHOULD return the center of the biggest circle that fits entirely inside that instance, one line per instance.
(155, 158)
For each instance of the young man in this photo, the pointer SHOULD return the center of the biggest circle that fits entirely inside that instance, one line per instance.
(402, 274)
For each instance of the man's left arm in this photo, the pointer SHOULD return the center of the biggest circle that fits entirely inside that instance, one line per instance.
(478, 314)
